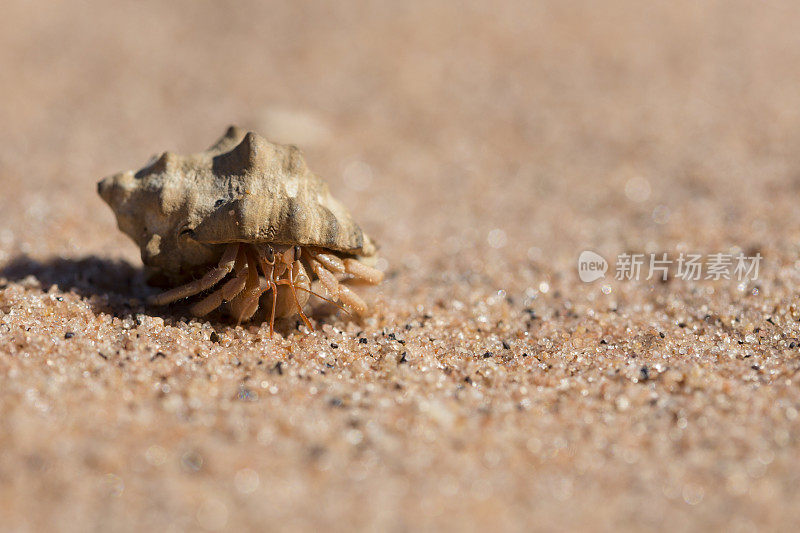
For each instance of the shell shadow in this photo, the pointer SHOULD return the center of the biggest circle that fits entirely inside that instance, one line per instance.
(116, 287)
(117, 282)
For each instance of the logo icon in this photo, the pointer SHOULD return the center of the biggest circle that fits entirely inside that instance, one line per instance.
(591, 266)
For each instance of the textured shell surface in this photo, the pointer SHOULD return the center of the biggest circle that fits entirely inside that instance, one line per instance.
(179, 209)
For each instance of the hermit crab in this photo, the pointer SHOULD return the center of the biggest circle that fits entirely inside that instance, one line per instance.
(241, 226)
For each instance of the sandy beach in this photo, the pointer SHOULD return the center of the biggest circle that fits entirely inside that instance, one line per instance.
(484, 146)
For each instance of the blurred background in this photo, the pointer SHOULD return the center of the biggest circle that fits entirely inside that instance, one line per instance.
(531, 118)
(484, 145)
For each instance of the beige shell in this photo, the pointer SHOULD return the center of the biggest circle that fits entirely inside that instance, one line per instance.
(178, 209)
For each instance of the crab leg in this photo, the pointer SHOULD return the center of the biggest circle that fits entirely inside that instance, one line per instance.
(309, 291)
(214, 276)
(352, 300)
(274, 289)
(245, 304)
(294, 294)
(328, 280)
(363, 272)
(250, 306)
(267, 266)
(337, 290)
(330, 261)
(227, 292)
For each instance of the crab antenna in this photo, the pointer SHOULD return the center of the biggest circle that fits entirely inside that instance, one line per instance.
(274, 289)
(326, 299)
(297, 302)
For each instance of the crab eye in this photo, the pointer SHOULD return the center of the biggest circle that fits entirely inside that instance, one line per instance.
(269, 254)
(297, 253)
